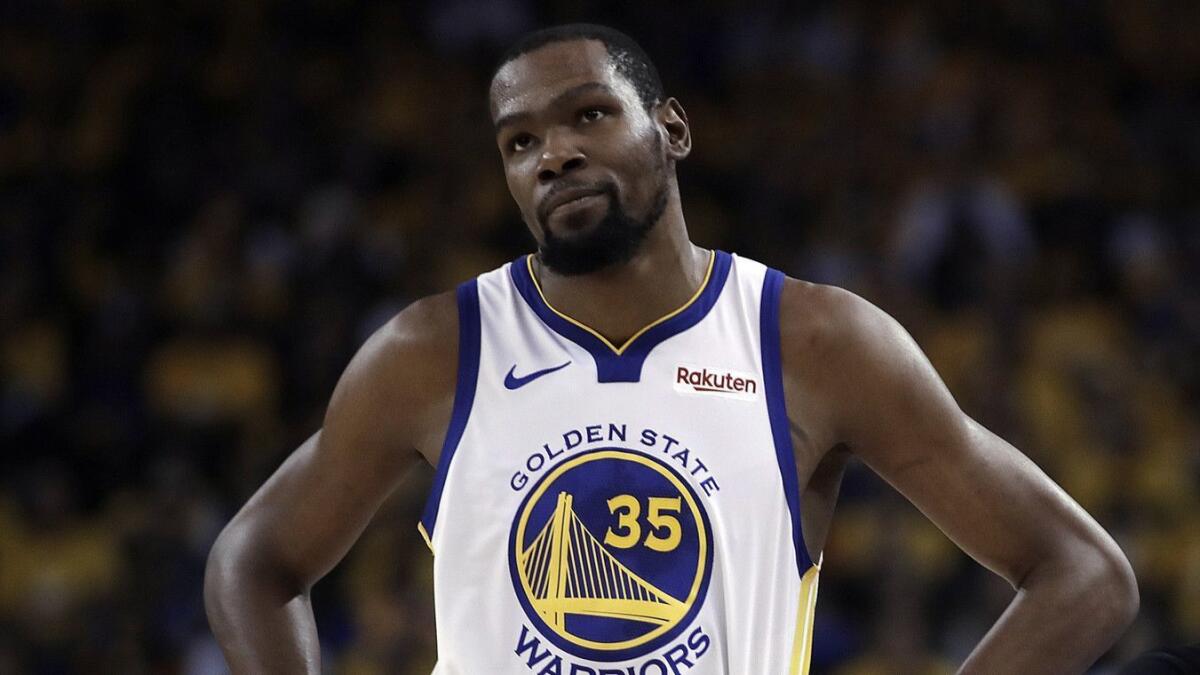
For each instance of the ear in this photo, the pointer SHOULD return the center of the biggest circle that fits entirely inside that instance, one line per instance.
(672, 118)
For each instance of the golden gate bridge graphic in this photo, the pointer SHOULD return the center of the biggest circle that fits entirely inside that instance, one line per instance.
(568, 571)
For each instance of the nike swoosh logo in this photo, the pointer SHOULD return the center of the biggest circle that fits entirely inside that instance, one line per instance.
(513, 382)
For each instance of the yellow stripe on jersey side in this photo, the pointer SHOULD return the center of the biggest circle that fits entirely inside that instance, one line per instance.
(802, 642)
(712, 257)
(425, 535)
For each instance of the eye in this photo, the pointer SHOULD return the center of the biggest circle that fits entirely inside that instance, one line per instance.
(591, 114)
(520, 142)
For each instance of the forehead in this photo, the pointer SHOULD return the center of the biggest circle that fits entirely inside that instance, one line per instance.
(531, 81)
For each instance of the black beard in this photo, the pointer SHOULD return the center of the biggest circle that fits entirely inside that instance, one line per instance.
(614, 240)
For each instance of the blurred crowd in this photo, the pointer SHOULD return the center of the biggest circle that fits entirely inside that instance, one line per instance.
(206, 206)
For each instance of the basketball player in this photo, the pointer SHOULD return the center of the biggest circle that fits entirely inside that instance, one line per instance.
(638, 442)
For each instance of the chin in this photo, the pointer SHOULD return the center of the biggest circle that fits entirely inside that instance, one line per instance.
(575, 225)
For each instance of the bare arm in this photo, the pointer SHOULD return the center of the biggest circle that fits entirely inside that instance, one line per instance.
(394, 398)
(1076, 592)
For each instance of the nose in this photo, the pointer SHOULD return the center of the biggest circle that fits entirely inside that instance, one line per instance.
(559, 157)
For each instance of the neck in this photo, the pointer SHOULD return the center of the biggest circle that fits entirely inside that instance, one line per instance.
(618, 301)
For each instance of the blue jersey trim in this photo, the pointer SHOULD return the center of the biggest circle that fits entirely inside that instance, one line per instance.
(777, 409)
(464, 395)
(625, 366)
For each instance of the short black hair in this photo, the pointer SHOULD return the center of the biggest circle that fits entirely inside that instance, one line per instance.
(626, 55)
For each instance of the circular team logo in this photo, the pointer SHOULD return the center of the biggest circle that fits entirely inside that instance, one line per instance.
(610, 554)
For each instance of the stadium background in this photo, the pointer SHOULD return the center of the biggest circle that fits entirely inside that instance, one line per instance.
(206, 206)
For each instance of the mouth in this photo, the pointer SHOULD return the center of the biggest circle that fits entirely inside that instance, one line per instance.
(568, 196)
(577, 202)
(570, 202)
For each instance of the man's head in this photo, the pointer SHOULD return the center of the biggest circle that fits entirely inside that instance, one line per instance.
(589, 143)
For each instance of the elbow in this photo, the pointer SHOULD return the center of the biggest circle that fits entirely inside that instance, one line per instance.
(1126, 597)
(220, 577)
(232, 574)
(242, 568)
(1092, 582)
(1112, 588)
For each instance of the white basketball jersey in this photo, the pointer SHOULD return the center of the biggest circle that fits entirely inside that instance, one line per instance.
(620, 510)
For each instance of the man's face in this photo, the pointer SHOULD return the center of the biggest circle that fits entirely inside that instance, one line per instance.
(583, 159)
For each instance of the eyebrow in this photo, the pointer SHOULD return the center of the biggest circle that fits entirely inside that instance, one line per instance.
(577, 90)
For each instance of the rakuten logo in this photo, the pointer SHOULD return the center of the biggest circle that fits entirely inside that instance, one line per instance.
(726, 383)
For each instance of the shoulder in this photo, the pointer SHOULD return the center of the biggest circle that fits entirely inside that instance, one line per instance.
(863, 371)
(421, 337)
(851, 363)
(822, 322)
(400, 385)
(428, 325)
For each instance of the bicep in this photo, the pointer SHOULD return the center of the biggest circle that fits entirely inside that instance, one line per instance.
(987, 496)
(305, 518)
(307, 515)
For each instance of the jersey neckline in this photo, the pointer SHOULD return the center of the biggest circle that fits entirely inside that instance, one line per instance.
(623, 363)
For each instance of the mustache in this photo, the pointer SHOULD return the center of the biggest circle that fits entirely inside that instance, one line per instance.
(543, 211)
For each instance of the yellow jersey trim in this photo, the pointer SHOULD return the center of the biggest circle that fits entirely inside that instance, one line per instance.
(806, 608)
(425, 535)
(712, 256)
